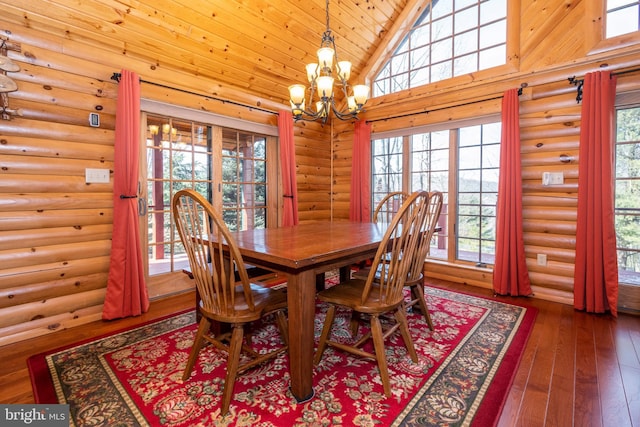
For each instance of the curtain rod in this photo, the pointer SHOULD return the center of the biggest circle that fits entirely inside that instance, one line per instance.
(578, 83)
(117, 76)
(444, 108)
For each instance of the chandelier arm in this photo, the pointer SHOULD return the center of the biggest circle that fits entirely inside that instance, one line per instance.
(344, 114)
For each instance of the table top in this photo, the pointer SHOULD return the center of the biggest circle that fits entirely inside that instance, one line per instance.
(308, 244)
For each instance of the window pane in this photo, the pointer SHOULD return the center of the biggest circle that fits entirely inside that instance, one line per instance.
(400, 63)
(469, 135)
(465, 43)
(492, 57)
(440, 139)
(419, 58)
(441, 71)
(622, 21)
(441, 8)
(465, 64)
(201, 166)
(461, 4)
(420, 36)
(470, 158)
(259, 171)
(491, 156)
(466, 19)
(419, 77)
(442, 28)
(400, 82)
(491, 10)
(442, 50)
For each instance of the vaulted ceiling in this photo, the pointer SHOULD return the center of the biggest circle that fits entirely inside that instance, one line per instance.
(257, 46)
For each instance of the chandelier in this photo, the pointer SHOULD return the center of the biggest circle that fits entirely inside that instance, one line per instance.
(321, 80)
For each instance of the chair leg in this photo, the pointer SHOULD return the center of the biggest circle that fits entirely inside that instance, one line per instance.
(203, 327)
(417, 292)
(326, 331)
(233, 362)
(354, 322)
(401, 318)
(378, 344)
(283, 326)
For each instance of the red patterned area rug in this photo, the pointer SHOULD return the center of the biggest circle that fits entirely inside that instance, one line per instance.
(466, 366)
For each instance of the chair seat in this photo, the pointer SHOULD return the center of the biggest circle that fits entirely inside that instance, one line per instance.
(349, 294)
(266, 300)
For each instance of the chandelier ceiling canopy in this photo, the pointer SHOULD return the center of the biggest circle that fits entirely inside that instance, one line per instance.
(322, 76)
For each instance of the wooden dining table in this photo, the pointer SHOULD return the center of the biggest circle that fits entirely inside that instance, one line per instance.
(301, 252)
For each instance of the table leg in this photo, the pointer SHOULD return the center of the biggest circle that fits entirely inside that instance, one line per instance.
(301, 297)
(345, 273)
(320, 282)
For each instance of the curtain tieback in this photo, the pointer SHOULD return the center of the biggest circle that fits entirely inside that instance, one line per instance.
(288, 196)
(122, 196)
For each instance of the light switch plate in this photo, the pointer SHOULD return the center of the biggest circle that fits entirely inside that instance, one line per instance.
(100, 176)
(552, 178)
(542, 259)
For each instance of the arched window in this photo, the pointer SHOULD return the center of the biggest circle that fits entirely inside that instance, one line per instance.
(449, 39)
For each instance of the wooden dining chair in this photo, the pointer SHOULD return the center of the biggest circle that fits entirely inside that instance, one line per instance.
(381, 294)
(215, 261)
(384, 212)
(415, 278)
(388, 206)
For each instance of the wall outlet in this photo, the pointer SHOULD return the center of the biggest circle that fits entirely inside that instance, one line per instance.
(542, 259)
(94, 120)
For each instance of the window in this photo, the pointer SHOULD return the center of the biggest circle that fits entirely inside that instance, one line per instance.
(423, 161)
(244, 180)
(430, 171)
(186, 154)
(387, 156)
(623, 17)
(448, 40)
(478, 171)
(627, 194)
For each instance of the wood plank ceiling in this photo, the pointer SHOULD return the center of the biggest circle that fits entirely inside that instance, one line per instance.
(256, 46)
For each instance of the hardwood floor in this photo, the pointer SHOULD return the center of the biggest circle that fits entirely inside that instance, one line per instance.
(577, 369)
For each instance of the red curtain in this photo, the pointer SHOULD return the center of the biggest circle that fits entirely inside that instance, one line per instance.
(288, 165)
(596, 265)
(510, 273)
(126, 288)
(360, 205)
